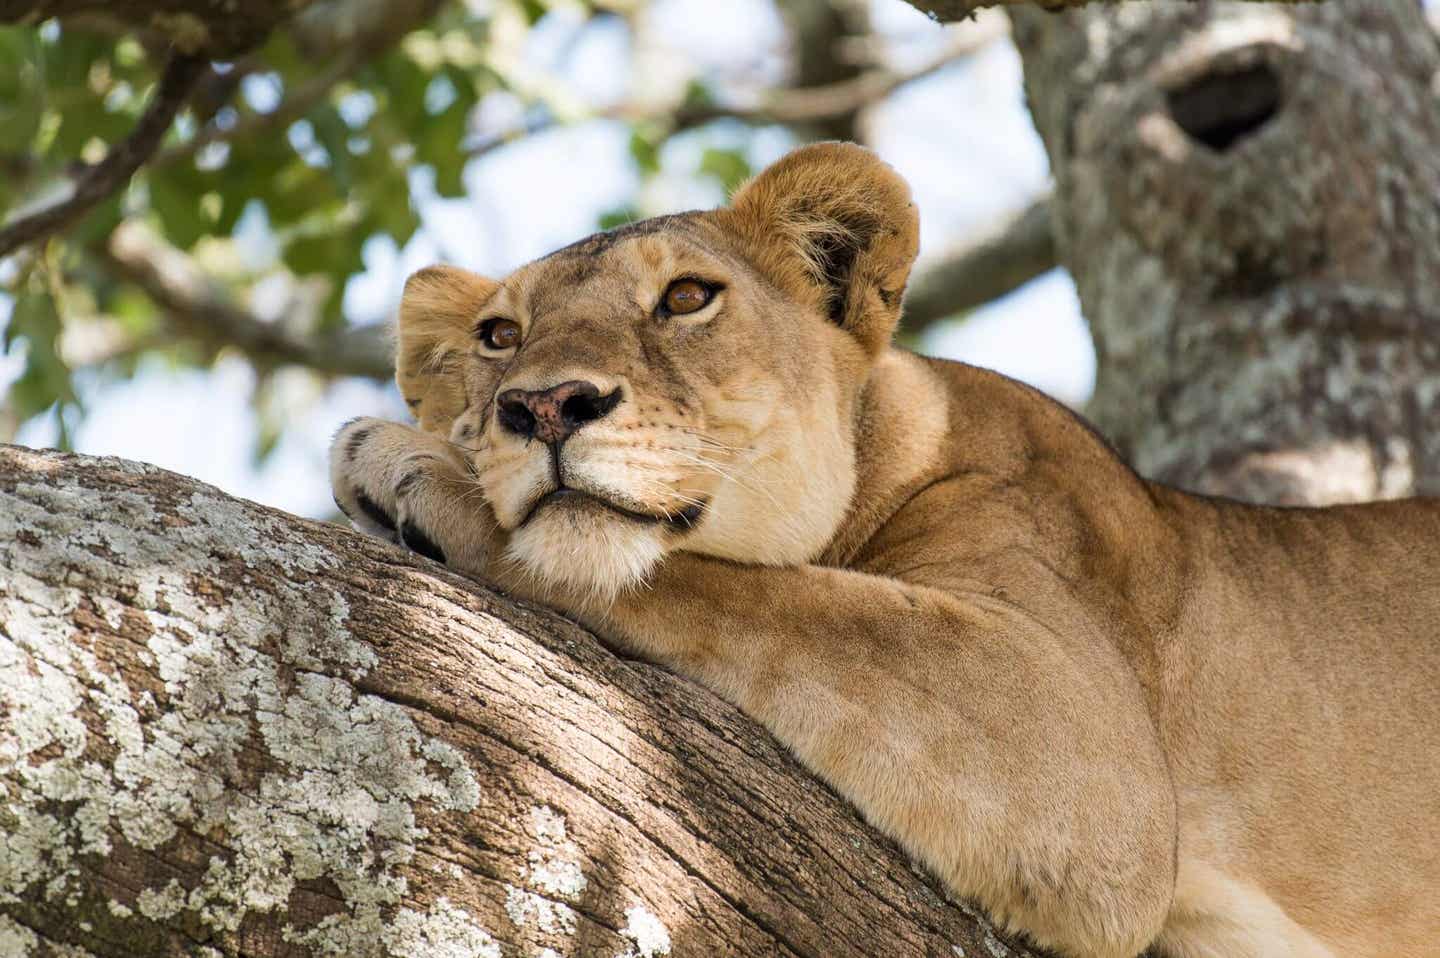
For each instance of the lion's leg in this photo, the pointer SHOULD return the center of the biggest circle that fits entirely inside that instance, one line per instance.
(1026, 776)
(1219, 916)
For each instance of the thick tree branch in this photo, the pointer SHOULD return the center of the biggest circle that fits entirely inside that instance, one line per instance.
(223, 724)
(111, 174)
(215, 29)
(983, 267)
(951, 10)
(199, 308)
(343, 34)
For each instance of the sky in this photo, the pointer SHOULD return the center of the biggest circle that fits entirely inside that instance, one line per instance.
(962, 138)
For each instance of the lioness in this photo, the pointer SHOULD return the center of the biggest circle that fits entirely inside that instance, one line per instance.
(1116, 715)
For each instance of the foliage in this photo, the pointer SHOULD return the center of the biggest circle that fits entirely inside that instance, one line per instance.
(290, 159)
(286, 161)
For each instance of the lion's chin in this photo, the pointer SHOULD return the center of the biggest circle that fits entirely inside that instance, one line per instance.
(586, 549)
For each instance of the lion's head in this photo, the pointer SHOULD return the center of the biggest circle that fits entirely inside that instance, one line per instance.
(686, 382)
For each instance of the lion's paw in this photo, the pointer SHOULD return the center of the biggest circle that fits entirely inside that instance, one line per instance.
(410, 488)
(376, 469)
(356, 481)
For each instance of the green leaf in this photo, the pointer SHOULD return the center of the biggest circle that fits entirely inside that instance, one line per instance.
(618, 217)
(257, 169)
(267, 437)
(98, 222)
(645, 150)
(730, 167)
(176, 201)
(45, 382)
(334, 252)
(399, 85)
(269, 418)
(21, 97)
(282, 56)
(300, 192)
(395, 216)
(332, 133)
(231, 206)
(438, 137)
(332, 313)
(440, 148)
(135, 312)
(697, 96)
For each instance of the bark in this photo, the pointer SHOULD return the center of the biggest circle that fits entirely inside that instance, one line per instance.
(1248, 197)
(818, 30)
(228, 731)
(112, 173)
(950, 10)
(222, 29)
(198, 307)
(215, 28)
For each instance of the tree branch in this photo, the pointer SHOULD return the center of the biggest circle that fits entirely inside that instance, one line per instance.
(947, 11)
(804, 105)
(994, 262)
(797, 106)
(120, 163)
(984, 267)
(819, 31)
(200, 308)
(292, 108)
(223, 723)
(347, 35)
(213, 29)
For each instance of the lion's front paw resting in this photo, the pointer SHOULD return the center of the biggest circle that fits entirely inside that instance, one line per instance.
(409, 488)
(357, 484)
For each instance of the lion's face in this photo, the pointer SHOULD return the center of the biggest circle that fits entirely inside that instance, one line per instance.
(685, 383)
(616, 427)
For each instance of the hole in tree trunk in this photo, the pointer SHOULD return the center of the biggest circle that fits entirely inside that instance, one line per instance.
(1222, 108)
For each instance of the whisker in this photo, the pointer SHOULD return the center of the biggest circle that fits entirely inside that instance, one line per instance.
(705, 440)
(750, 483)
(461, 445)
(747, 482)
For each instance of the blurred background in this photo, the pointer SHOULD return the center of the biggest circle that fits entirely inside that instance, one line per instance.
(228, 310)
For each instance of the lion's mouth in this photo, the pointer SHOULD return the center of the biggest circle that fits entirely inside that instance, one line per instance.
(684, 520)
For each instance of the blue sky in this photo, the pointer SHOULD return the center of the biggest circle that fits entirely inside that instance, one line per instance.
(962, 137)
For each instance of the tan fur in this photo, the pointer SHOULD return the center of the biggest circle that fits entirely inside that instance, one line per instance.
(1115, 715)
(432, 338)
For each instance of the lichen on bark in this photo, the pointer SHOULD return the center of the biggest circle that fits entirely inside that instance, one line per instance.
(1255, 242)
(229, 711)
(227, 731)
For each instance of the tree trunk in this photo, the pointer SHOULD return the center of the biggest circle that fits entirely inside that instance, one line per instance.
(228, 731)
(818, 31)
(1248, 197)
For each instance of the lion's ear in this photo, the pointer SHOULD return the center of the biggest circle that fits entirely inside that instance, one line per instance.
(437, 315)
(834, 224)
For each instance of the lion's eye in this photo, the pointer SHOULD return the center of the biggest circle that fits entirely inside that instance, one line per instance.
(687, 296)
(500, 333)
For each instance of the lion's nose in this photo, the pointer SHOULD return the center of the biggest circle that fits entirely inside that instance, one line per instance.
(553, 415)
